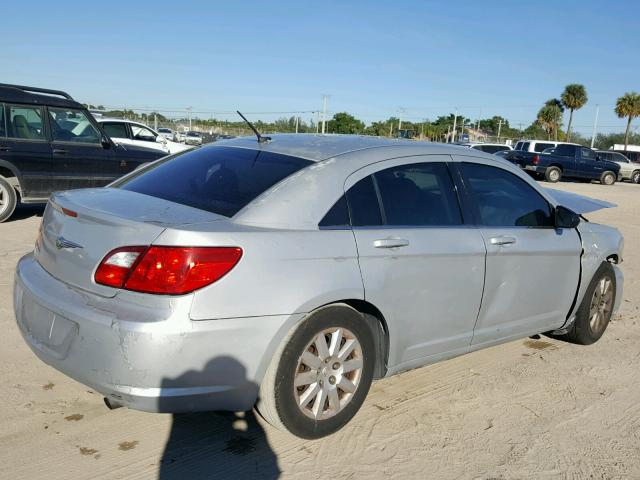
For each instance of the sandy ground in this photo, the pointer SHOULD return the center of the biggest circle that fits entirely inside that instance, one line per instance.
(526, 409)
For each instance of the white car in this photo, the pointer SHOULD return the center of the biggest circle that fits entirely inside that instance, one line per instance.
(488, 147)
(628, 170)
(168, 134)
(127, 132)
(538, 146)
(193, 138)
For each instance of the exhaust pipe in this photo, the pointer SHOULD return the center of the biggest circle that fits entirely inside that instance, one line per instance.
(111, 404)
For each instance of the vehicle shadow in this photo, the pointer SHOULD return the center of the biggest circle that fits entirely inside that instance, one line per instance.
(216, 444)
(24, 211)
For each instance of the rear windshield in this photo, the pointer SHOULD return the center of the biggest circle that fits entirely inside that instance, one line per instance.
(217, 179)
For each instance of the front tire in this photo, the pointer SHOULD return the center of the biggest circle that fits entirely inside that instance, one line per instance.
(608, 178)
(321, 374)
(553, 174)
(596, 308)
(8, 199)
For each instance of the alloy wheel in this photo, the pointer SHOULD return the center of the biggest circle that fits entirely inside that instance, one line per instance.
(4, 199)
(601, 305)
(328, 373)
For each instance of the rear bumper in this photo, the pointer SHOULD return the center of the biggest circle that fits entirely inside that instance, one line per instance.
(145, 353)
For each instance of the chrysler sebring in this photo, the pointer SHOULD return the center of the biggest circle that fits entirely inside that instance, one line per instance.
(288, 274)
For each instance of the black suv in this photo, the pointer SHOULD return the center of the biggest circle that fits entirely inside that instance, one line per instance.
(50, 142)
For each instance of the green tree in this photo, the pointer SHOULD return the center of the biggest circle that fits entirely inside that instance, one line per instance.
(574, 97)
(628, 106)
(549, 117)
(345, 123)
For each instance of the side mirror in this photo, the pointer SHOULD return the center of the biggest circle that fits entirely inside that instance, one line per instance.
(565, 218)
(106, 143)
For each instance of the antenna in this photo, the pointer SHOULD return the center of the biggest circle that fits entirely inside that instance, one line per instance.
(261, 139)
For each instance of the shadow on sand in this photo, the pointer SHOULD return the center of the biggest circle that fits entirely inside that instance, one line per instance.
(24, 211)
(217, 445)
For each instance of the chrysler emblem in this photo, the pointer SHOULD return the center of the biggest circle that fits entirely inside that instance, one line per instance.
(62, 242)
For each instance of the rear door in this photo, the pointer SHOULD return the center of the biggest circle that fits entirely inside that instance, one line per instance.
(421, 265)
(532, 268)
(79, 158)
(26, 146)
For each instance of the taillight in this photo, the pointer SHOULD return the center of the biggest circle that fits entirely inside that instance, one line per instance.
(535, 160)
(166, 270)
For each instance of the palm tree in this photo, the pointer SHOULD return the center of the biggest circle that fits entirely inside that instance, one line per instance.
(628, 106)
(549, 118)
(574, 97)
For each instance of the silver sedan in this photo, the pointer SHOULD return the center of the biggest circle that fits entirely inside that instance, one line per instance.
(289, 274)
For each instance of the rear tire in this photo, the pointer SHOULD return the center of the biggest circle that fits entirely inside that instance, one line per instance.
(608, 178)
(8, 199)
(321, 374)
(553, 174)
(635, 176)
(596, 308)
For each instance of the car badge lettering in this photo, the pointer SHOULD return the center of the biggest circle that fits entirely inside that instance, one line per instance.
(62, 242)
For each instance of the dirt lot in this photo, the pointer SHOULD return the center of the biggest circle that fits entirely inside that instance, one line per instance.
(527, 409)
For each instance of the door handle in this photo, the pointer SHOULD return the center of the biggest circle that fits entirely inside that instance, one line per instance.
(390, 242)
(502, 240)
(59, 151)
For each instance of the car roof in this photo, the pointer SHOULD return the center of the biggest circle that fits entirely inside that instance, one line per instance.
(343, 157)
(32, 96)
(318, 147)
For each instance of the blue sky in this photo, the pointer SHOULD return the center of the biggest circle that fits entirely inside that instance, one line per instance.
(372, 57)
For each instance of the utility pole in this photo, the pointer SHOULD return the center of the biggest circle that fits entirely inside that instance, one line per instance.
(455, 121)
(324, 113)
(155, 121)
(499, 128)
(448, 133)
(297, 123)
(595, 126)
(189, 114)
(317, 121)
(400, 112)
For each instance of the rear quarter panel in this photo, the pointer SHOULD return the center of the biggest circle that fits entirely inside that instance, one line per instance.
(281, 272)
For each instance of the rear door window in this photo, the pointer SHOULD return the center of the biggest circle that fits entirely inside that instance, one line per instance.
(364, 207)
(539, 147)
(3, 132)
(419, 194)
(525, 147)
(25, 123)
(115, 129)
(565, 150)
(221, 180)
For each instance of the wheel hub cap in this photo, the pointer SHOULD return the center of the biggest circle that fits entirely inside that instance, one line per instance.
(601, 305)
(328, 373)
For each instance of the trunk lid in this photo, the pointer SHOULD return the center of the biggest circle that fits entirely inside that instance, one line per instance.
(71, 247)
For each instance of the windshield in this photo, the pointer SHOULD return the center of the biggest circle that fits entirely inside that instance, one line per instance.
(217, 179)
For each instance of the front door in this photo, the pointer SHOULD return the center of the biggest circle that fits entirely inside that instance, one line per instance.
(589, 165)
(532, 268)
(27, 148)
(79, 158)
(421, 265)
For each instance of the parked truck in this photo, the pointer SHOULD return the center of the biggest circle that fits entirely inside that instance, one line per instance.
(567, 161)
